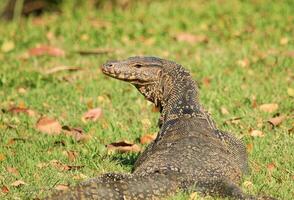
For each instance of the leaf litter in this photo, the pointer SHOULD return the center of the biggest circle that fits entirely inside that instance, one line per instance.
(123, 147)
(92, 115)
(49, 126)
(46, 50)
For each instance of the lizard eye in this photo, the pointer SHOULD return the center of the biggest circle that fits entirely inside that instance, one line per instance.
(138, 65)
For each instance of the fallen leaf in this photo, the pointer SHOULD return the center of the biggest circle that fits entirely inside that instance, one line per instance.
(95, 51)
(77, 133)
(224, 110)
(7, 46)
(271, 166)
(61, 187)
(289, 54)
(206, 81)
(256, 133)
(2, 157)
(98, 23)
(17, 110)
(21, 90)
(243, 63)
(79, 176)
(123, 147)
(249, 147)
(92, 115)
(48, 125)
(284, 41)
(46, 50)
(191, 38)
(62, 68)
(18, 183)
(148, 138)
(290, 92)
(248, 184)
(90, 103)
(12, 141)
(270, 107)
(63, 167)
(42, 165)
(72, 155)
(84, 37)
(275, 121)
(155, 109)
(235, 120)
(12, 170)
(253, 101)
(4, 189)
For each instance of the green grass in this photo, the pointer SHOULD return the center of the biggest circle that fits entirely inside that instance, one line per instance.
(258, 31)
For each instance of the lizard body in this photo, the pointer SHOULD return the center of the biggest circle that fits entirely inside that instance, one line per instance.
(189, 151)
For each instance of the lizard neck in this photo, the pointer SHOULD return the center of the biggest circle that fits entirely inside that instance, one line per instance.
(179, 101)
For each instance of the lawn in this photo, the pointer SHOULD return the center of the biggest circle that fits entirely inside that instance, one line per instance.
(240, 52)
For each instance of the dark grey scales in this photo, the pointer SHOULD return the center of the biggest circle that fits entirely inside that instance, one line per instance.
(189, 153)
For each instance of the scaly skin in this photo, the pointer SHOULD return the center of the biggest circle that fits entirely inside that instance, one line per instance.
(189, 153)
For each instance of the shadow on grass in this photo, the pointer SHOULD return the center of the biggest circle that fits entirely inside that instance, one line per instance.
(128, 160)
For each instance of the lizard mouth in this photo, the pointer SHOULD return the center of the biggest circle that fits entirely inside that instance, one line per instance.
(111, 73)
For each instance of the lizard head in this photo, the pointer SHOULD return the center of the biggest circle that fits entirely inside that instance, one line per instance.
(152, 76)
(143, 72)
(136, 70)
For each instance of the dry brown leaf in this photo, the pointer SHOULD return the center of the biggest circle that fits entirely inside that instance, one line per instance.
(271, 166)
(284, 41)
(42, 165)
(224, 110)
(12, 141)
(98, 23)
(253, 101)
(12, 170)
(269, 107)
(191, 38)
(155, 109)
(249, 147)
(148, 138)
(63, 167)
(243, 63)
(21, 90)
(256, 133)
(289, 54)
(79, 176)
(206, 81)
(17, 110)
(18, 183)
(123, 147)
(61, 187)
(77, 133)
(2, 157)
(62, 68)
(4, 189)
(275, 121)
(46, 50)
(248, 184)
(235, 120)
(92, 115)
(48, 125)
(72, 155)
(290, 92)
(7, 46)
